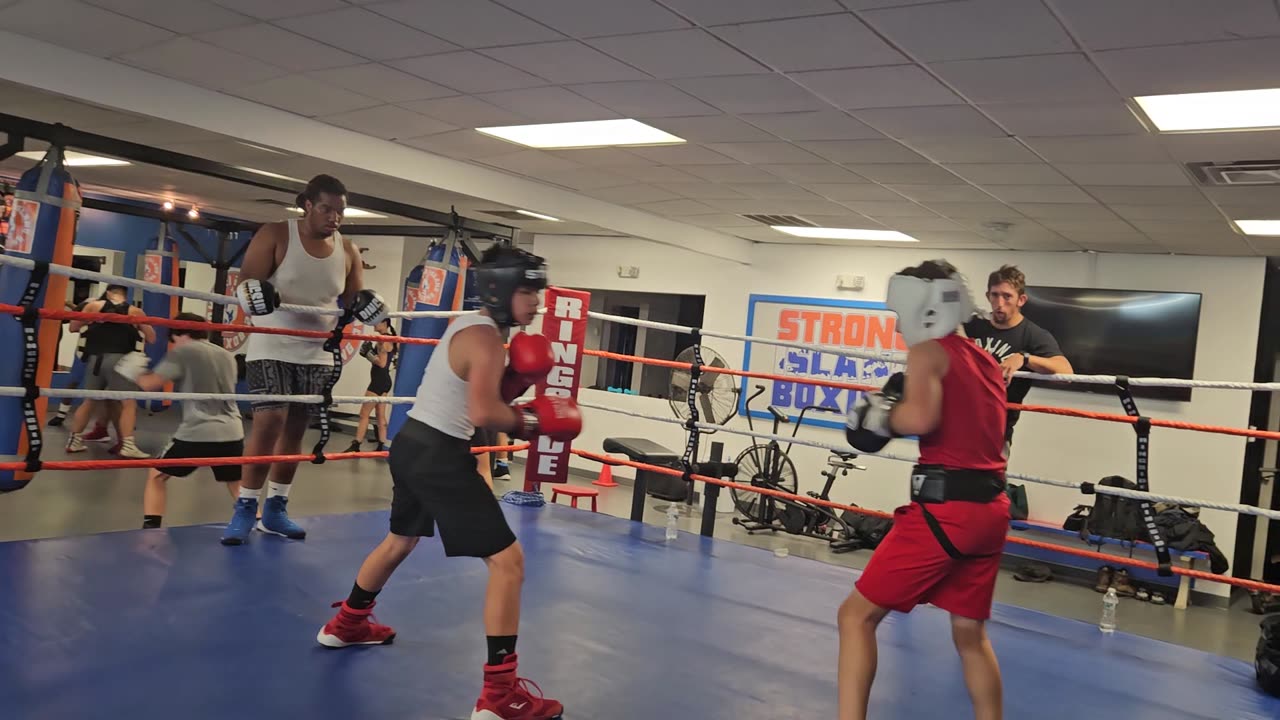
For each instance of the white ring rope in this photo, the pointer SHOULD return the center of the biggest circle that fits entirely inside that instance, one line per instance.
(142, 395)
(1101, 489)
(884, 355)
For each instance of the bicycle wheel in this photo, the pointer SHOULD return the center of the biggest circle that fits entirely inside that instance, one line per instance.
(764, 466)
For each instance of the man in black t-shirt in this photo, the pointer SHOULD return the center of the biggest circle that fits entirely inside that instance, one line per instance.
(1013, 340)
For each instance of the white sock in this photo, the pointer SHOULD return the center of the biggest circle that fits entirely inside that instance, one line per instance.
(278, 490)
(250, 494)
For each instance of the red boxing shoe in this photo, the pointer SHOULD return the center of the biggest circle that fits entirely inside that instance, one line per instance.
(507, 697)
(354, 627)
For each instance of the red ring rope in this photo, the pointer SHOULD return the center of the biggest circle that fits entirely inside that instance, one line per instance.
(1114, 559)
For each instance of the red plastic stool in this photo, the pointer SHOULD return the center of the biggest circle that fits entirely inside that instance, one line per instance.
(574, 492)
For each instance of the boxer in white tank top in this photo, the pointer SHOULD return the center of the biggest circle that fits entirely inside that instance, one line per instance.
(309, 263)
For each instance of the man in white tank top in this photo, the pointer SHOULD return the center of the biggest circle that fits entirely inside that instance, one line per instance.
(468, 384)
(302, 262)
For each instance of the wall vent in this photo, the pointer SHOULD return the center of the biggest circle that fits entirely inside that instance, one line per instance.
(782, 220)
(1241, 173)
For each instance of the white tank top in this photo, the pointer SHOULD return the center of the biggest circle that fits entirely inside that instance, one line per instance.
(301, 279)
(441, 401)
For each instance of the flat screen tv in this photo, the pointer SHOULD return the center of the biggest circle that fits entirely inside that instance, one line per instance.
(1136, 333)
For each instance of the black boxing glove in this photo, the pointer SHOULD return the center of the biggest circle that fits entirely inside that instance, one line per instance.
(257, 297)
(867, 426)
(369, 308)
(367, 351)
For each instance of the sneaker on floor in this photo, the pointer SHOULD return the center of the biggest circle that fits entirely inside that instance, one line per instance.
(354, 627)
(507, 697)
(353, 447)
(75, 443)
(98, 434)
(57, 420)
(382, 447)
(129, 450)
(246, 514)
(275, 519)
(500, 470)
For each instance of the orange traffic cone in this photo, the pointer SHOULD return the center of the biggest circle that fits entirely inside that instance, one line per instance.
(606, 477)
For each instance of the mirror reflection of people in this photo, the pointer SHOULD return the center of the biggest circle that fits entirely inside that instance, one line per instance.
(380, 356)
(1016, 342)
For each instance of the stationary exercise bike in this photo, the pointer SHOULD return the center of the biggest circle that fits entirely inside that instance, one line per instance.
(768, 466)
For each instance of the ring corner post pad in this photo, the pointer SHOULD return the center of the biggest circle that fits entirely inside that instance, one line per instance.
(46, 206)
(565, 325)
(159, 265)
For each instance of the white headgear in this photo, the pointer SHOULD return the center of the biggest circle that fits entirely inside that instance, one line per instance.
(928, 309)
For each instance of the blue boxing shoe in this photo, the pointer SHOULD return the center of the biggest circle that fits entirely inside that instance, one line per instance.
(246, 514)
(275, 519)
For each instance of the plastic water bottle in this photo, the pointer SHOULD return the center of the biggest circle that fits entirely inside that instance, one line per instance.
(673, 531)
(1110, 602)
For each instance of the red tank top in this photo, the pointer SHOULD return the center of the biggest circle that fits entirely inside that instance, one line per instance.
(971, 433)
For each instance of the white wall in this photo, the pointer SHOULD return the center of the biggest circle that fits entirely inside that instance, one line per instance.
(387, 277)
(1191, 464)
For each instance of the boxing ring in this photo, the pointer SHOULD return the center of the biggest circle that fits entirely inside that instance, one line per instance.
(618, 622)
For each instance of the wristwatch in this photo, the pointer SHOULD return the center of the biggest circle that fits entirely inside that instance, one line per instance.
(1026, 360)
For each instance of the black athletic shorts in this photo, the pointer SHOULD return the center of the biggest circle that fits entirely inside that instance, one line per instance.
(483, 438)
(435, 483)
(183, 449)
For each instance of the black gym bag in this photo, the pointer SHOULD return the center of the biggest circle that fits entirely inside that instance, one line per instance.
(1267, 661)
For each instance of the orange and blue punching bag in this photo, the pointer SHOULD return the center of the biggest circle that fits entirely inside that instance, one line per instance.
(433, 285)
(46, 208)
(160, 266)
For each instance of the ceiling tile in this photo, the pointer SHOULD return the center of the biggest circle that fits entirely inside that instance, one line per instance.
(467, 112)
(946, 238)
(1105, 24)
(730, 173)
(1026, 79)
(816, 206)
(773, 191)
(818, 125)
(1048, 119)
(765, 152)
(1218, 146)
(461, 144)
(972, 210)
(900, 209)
(677, 208)
(1098, 148)
(723, 220)
(632, 194)
(468, 72)
(303, 95)
(940, 193)
(201, 64)
(930, 122)
(589, 18)
(184, 17)
(1125, 237)
(893, 86)
(1209, 228)
(1065, 211)
(565, 62)
(388, 122)
(905, 173)
(706, 190)
(811, 43)
(281, 48)
(366, 33)
(679, 54)
(1145, 195)
(655, 173)
(279, 8)
(1245, 195)
(806, 173)
(718, 12)
(860, 192)
(863, 151)
(976, 29)
(1201, 211)
(710, 128)
(973, 150)
(1242, 212)
(921, 224)
(530, 162)
(470, 24)
(81, 27)
(1144, 174)
(746, 94)
(645, 99)
(595, 180)
(381, 82)
(683, 155)
(1040, 194)
(1009, 174)
(1134, 248)
(549, 104)
(1204, 67)
(1090, 226)
(603, 157)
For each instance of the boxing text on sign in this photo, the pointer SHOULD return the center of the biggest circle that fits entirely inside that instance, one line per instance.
(864, 326)
(565, 325)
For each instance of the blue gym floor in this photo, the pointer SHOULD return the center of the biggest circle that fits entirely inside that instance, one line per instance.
(617, 624)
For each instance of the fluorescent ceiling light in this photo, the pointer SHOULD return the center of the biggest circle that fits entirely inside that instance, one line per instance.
(1259, 227)
(845, 233)
(540, 216)
(75, 159)
(595, 133)
(1232, 110)
(349, 213)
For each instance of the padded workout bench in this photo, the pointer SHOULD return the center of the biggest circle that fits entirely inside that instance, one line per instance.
(646, 451)
(1184, 583)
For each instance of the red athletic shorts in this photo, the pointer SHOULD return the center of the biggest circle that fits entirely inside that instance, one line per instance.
(910, 567)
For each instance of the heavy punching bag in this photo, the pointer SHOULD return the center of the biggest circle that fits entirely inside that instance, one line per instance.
(46, 208)
(160, 266)
(431, 286)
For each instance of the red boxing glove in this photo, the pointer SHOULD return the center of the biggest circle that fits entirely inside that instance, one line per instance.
(530, 360)
(555, 417)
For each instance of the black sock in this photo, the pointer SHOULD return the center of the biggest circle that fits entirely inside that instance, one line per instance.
(360, 598)
(500, 646)
(150, 521)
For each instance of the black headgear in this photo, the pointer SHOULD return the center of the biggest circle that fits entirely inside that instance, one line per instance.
(501, 273)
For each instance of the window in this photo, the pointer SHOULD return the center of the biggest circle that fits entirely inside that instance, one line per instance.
(631, 377)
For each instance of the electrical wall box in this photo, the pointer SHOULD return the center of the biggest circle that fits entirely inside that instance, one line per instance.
(845, 281)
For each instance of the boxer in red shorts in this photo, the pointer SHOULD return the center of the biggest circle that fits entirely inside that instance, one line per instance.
(945, 546)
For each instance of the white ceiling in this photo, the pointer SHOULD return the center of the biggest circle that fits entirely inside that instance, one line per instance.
(966, 123)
